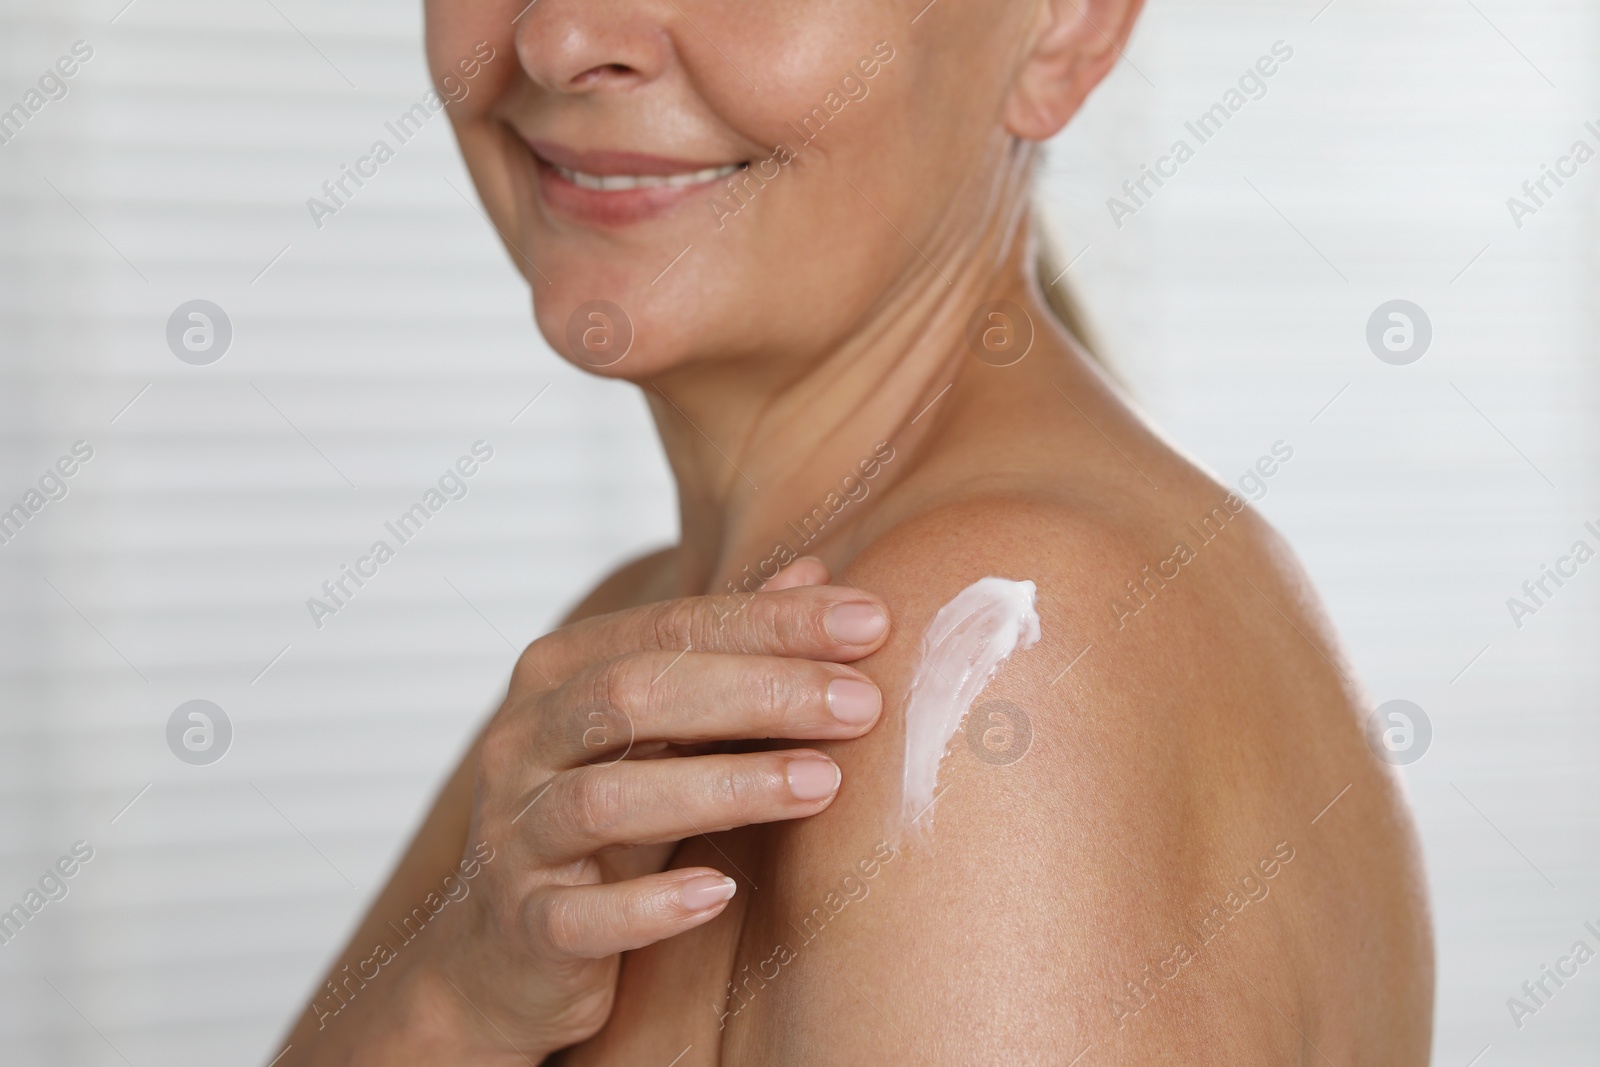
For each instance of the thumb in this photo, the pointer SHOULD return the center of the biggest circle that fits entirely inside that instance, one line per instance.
(807, 570)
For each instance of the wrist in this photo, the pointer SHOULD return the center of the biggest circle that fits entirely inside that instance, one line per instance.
(453, 1020)
(408, 1013)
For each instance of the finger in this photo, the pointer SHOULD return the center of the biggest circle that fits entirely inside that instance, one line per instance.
(807, 570)
(641, 802)
(833, 623)
(595, 921)
(689, 697)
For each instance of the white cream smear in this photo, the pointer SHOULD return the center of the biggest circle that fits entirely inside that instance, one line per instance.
(965, 645)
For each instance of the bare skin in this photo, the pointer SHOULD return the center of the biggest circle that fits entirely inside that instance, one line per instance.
(1195, 860)
(1182, 748)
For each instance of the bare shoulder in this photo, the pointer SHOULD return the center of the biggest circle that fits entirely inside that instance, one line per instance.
(1129, 851)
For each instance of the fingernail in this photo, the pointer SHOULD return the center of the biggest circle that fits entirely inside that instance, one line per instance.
(853, 701)
(813, 779)
(707, 891)
(855, 623)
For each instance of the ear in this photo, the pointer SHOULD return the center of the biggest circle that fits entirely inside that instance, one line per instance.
(1074, 44)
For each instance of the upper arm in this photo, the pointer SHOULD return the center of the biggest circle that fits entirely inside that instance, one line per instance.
(1070, 838)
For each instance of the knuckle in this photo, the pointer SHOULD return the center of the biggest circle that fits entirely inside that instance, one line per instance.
(598, 804)
(792, 618)
(622, 684)
(496, 753)
(617, 693)
(774, 695)
(726, 623)
(740, 790)
(531, 668)
(555, 924)
(675, 625)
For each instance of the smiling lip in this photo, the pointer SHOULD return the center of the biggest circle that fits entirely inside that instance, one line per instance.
(615, 188)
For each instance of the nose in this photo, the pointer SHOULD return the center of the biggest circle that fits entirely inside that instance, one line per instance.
(588, 46)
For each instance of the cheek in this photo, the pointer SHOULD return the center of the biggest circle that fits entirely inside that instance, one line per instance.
(456, 31)
(797, 65)
(782, 249)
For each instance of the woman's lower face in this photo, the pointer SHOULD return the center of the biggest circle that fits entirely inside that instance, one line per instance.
(704, 179)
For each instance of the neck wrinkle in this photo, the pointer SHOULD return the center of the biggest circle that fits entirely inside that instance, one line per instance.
(752, 452)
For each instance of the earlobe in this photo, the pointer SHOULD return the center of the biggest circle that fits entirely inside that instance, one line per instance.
(1075, 44)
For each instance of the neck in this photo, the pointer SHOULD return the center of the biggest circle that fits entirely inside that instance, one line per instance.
(771, 463)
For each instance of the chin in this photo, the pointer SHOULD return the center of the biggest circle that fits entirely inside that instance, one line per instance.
(605, 256)
(616, 330)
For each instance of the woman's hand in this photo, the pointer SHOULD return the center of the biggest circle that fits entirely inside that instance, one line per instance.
(603, 756)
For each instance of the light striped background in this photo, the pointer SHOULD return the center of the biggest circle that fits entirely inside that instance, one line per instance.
(373, 352)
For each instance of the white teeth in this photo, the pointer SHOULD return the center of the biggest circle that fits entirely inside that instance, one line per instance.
(612, 182)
